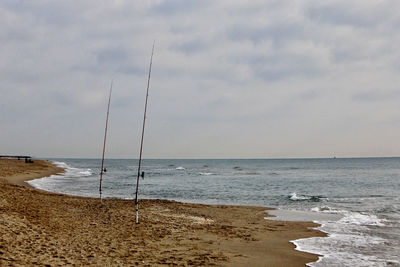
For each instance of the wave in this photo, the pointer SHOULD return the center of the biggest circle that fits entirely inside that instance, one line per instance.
(252, 173)
(295, 197)
(45, 183)
(61, 164)
(72, 171)
(61, 183)
(180, 168)
(349, 241)
(206, 173)
(86, 173)
(293, 168)
(352, 217)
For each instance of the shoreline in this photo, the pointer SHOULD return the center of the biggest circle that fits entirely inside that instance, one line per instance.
(18, 172)
(78, 230)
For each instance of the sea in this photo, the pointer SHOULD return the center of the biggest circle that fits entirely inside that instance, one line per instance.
(355, 200)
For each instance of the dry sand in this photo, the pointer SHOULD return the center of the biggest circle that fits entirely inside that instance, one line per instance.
(46, 229)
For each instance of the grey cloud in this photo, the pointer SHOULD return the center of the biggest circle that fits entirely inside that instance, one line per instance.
(118, 60)
(293, 65)
(275, 68)
(61, 98)
(172, 7)
(362, 14)
(278, 32)
(55, 13)
(308, 95)
(190, 47)
(282, 64)
(377, 96)
(180, 29)
(340, 15)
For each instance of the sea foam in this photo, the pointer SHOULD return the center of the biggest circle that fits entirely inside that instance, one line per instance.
(344, 235)
(295, 197)
(206, 173)
(50, 183)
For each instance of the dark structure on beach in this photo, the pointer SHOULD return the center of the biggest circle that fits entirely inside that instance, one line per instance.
(28, 159)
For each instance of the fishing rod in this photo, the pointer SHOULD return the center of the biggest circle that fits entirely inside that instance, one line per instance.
(141, 142)
(104, 145)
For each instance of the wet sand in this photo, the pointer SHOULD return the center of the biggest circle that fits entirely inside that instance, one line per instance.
(40, 228)
(17, 171)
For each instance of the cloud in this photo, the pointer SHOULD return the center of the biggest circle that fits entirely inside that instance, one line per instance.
(176, 7)
(230, 78)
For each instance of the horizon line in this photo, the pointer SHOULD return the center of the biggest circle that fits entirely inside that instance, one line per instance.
(287, 158)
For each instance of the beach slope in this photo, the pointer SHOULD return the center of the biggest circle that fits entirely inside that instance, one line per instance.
(40, 228)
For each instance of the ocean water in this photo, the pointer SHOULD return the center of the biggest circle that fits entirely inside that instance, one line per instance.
(362, 193)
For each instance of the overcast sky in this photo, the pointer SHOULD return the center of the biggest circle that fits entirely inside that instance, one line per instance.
(231, 79)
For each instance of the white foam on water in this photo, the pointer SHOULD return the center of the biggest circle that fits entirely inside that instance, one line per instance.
(296, 197)
(180, 168)
(206, 173)
(48, 183)
(349, 241)
(61, 164)
(86, 173)
(341, 250)
(350, 217)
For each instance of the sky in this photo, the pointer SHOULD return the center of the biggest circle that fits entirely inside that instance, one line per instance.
(230, 79)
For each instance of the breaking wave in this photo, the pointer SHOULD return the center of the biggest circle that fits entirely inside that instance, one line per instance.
(295, 197)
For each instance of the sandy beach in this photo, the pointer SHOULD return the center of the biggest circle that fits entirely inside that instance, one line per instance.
(47, 229)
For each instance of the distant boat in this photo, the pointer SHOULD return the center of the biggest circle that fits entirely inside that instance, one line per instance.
(103, 170)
